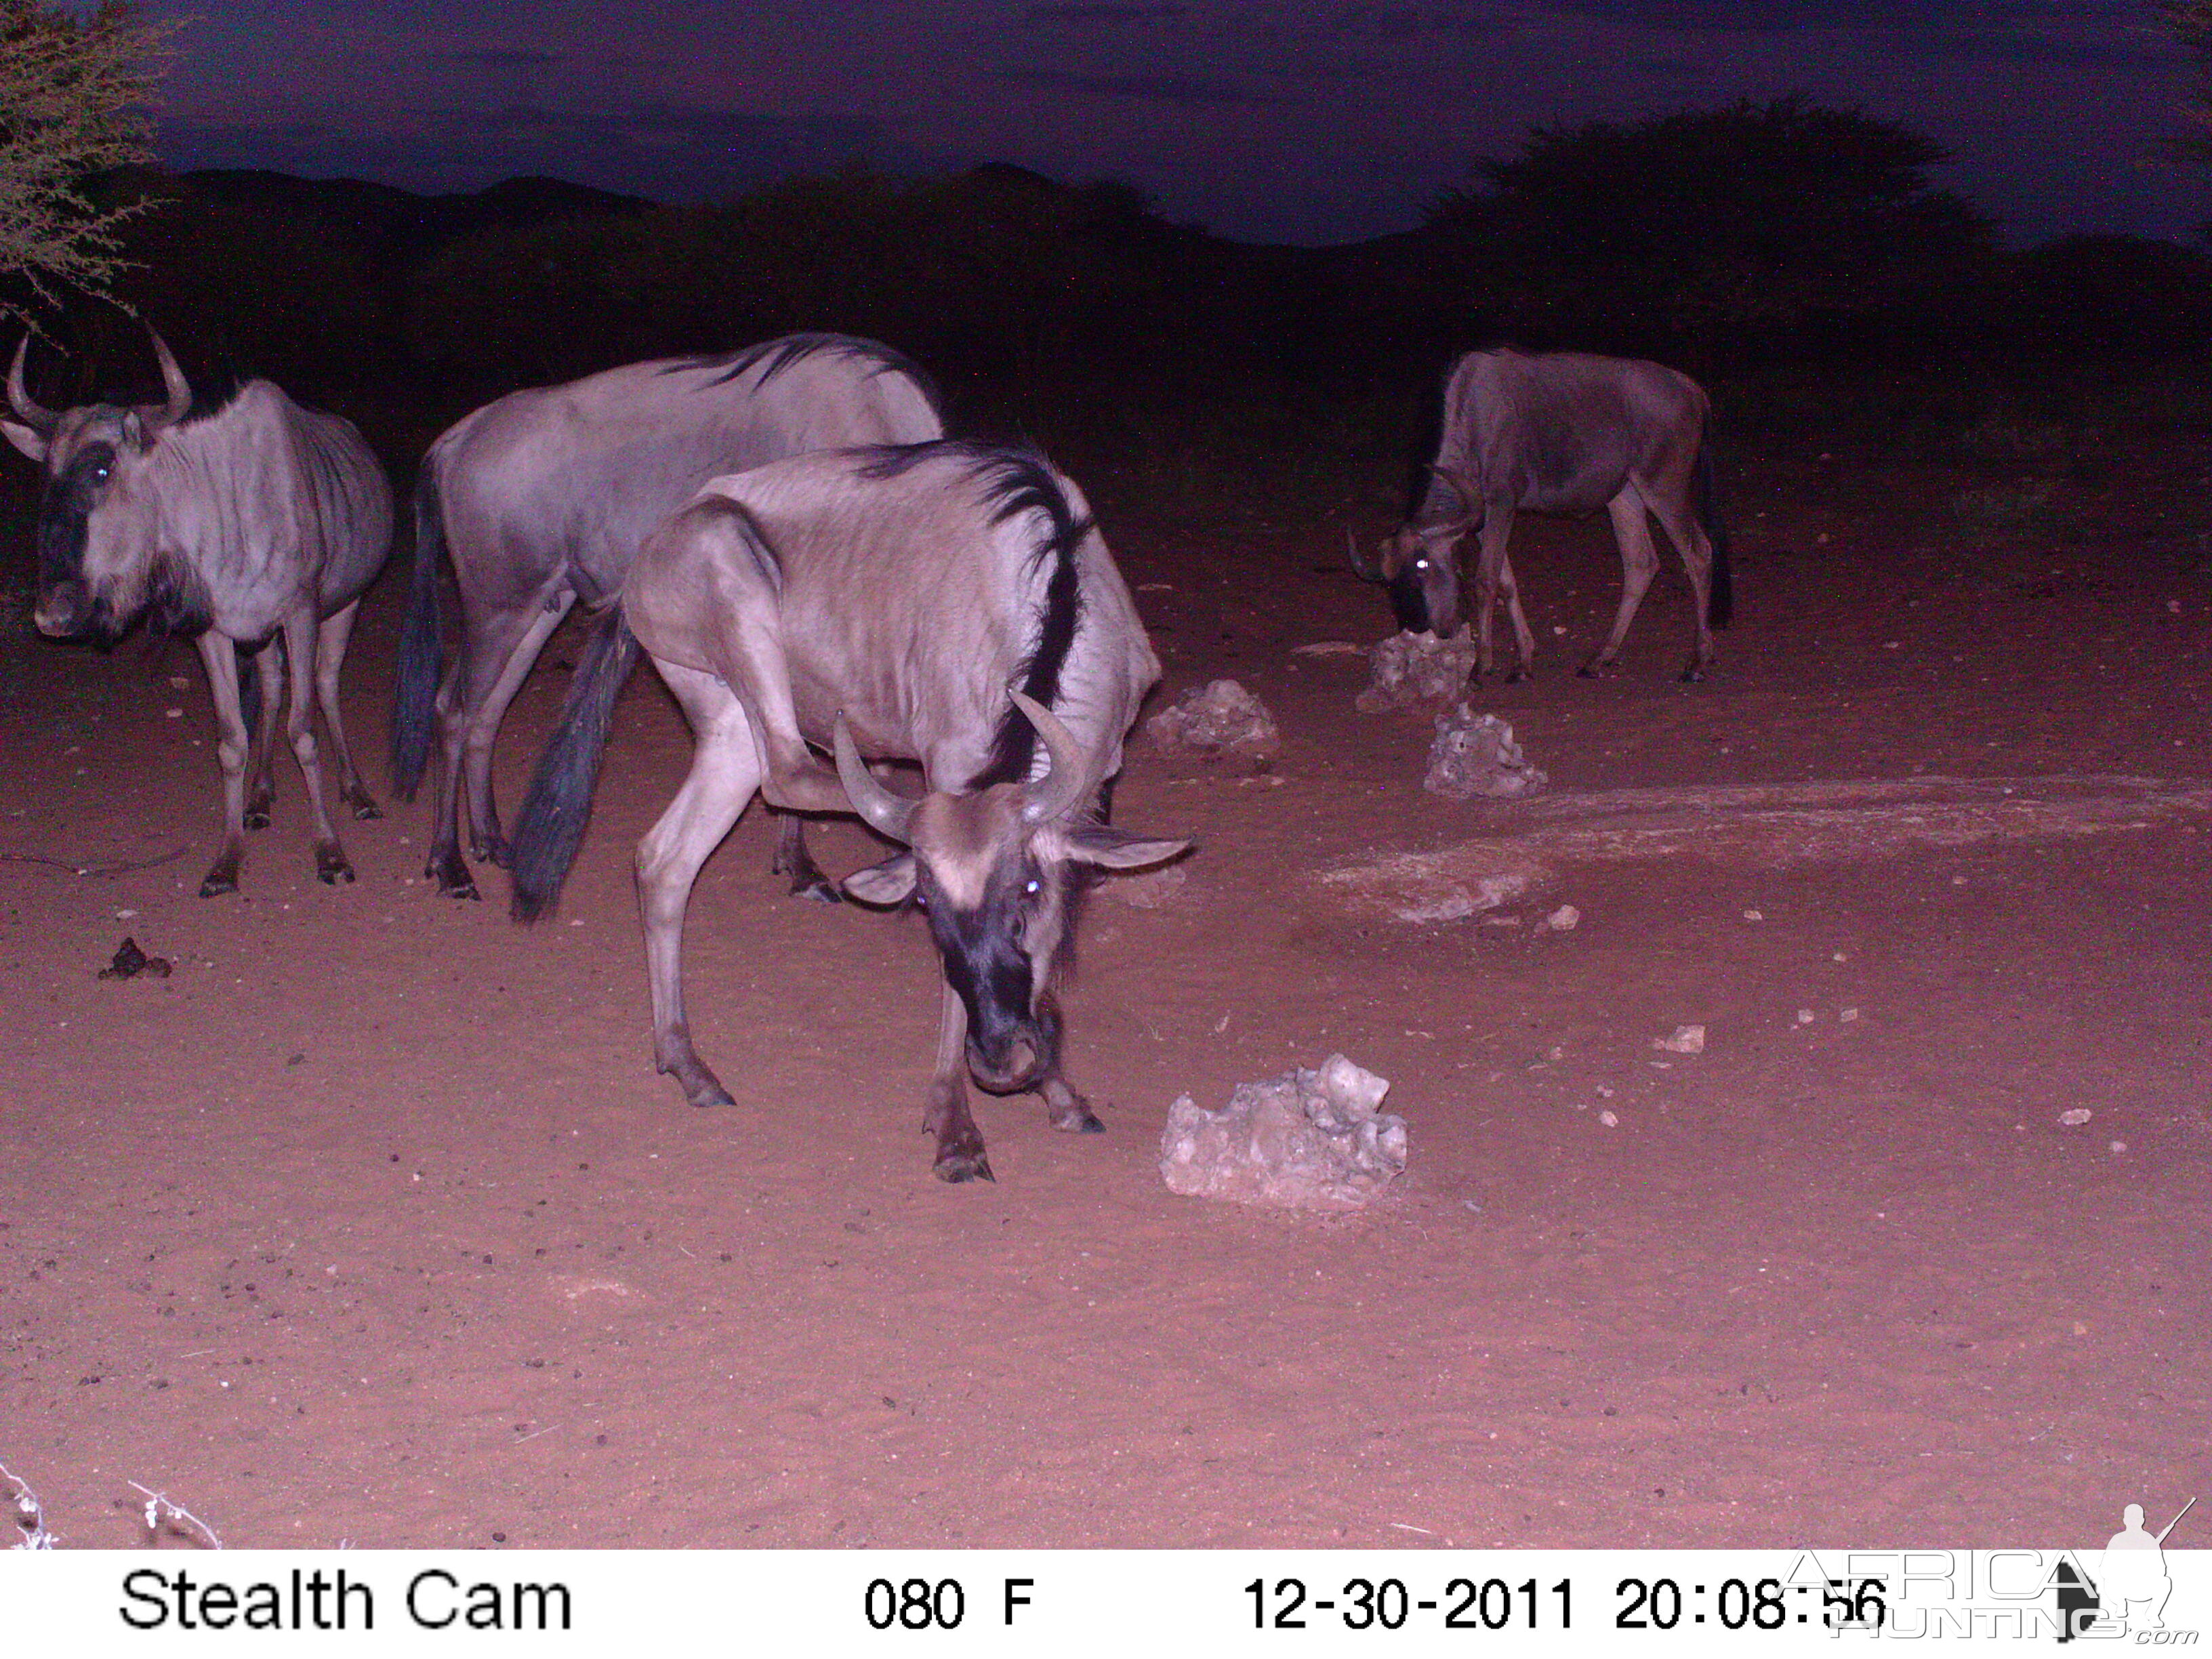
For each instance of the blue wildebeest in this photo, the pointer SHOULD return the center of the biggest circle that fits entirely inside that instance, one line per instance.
(948, 603)
(253, 525)
(541, 499)
(1560, 433)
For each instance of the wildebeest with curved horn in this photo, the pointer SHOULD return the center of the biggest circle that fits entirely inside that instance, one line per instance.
(542, 497)
(948, 603)
(254, 525)
(1560, 433)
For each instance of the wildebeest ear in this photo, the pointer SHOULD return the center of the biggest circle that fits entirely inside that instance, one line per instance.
(29, 440)
(882, 885)
(134, 431)
(1121, 849)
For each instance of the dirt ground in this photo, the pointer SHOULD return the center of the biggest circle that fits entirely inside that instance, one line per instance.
(372, 1223)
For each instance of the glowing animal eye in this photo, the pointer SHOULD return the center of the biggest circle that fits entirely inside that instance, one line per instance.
(99, 473)
(1420, 564)
(1032, 887)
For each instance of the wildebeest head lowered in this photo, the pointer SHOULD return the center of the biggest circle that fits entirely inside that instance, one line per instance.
(887, 602)
(1419, 565)
(1567, 434)
(101, 563)
(996, 872)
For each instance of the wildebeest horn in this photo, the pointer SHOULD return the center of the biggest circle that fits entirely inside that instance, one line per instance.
(1069, 786)
(878, 805)
(172, 378)
(1360, 568)
(1470, 497)
(32, 413)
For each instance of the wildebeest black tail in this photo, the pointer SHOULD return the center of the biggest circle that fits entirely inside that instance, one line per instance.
(559, 804)
(1720, 608)
(414, 698)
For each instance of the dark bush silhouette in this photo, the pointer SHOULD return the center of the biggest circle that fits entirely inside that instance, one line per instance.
(1742, 232)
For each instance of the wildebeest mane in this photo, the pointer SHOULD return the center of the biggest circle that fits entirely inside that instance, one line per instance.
(211, 397)
(1016, 480)
(772, 357)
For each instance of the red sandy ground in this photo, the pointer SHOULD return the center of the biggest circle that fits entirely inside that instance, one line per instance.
(374, 1224)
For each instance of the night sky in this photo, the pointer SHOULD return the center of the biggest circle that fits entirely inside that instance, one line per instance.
(1313, 122)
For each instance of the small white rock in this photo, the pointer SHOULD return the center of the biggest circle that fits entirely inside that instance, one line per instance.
(173, 713)
(1565, 919)
(2120, 1146)
(1848, 1015)
(1609, 1119)
(2075, 1118)
(1687, 1040)
(1806, 1016)
(1754, 915)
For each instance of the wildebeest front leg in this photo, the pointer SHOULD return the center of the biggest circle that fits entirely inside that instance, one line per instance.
(960, 1155)
(725, 772)
(793, 860)
(220, 658)
(1639, 563)
(330, 650)
(1065, 1109)
(301, 629)
(261, 782)
(1525, 640)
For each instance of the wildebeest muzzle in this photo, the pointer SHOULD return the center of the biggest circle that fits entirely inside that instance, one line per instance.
(66, 611)
(1015, 1056)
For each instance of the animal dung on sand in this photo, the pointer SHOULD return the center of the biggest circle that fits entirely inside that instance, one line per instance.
(1306, 1140)
(1411, 668)
(1474, 755)
(129, 961)
(1220, 719)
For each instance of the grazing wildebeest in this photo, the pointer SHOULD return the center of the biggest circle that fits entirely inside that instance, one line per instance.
(542, 498)
(946, 603)
(1563, 433)
(254, 525)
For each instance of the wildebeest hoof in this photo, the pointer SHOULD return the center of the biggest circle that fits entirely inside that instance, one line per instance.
(365, 809)
(702, 1088)
(257, 816)
(330, 865)
(445, 867)
(1694, 674)
(1518, 676)
(224, 879)
(1078, 1120)
(953, 1168)
(818, 890)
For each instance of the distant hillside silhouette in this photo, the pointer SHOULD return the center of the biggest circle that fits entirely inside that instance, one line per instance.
(1077, 314)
